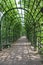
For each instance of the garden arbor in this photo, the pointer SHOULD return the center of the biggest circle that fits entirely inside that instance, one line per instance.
(10, 23)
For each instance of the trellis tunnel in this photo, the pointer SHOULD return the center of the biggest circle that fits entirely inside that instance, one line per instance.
(13, 12)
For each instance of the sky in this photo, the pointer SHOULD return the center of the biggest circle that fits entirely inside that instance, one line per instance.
(20, 11)
(19, 6)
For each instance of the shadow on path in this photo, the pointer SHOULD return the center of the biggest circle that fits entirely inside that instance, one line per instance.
(21, 53)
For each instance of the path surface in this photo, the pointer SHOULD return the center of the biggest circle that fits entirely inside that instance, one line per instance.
(20, 53)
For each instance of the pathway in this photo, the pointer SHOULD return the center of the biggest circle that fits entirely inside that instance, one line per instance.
(21, 53)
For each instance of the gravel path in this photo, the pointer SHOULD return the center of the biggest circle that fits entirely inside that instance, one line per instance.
(21, 53)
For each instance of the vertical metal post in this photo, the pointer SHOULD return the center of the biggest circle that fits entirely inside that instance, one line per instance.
(34, 38)
(0, 37)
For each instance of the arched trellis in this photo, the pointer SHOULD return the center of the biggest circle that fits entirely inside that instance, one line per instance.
(10, 10)
(17, 8)
(18, 22)
(35, 20)
(4, 15)
(20, 17)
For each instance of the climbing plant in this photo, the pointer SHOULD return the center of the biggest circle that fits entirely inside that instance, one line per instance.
(10, 21)
(34, 26)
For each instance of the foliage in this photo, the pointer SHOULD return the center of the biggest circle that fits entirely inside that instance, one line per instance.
(33, 20)
(10, 22)
(34, 26)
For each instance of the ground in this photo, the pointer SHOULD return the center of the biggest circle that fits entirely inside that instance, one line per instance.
(20, 53)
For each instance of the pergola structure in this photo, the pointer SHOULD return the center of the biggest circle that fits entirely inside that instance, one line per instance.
(31, 13)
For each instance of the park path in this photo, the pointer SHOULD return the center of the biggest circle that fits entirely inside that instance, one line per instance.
(20, 53)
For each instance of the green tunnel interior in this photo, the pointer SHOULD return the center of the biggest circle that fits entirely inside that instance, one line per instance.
(11, 21)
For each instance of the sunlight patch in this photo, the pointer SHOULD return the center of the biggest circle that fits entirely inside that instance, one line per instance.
(19, 57)
(25, 51)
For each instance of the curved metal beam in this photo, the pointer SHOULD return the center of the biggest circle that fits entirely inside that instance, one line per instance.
(17, 8)
(21, 17)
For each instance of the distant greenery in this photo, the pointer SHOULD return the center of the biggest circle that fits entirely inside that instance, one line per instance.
(23, 31)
